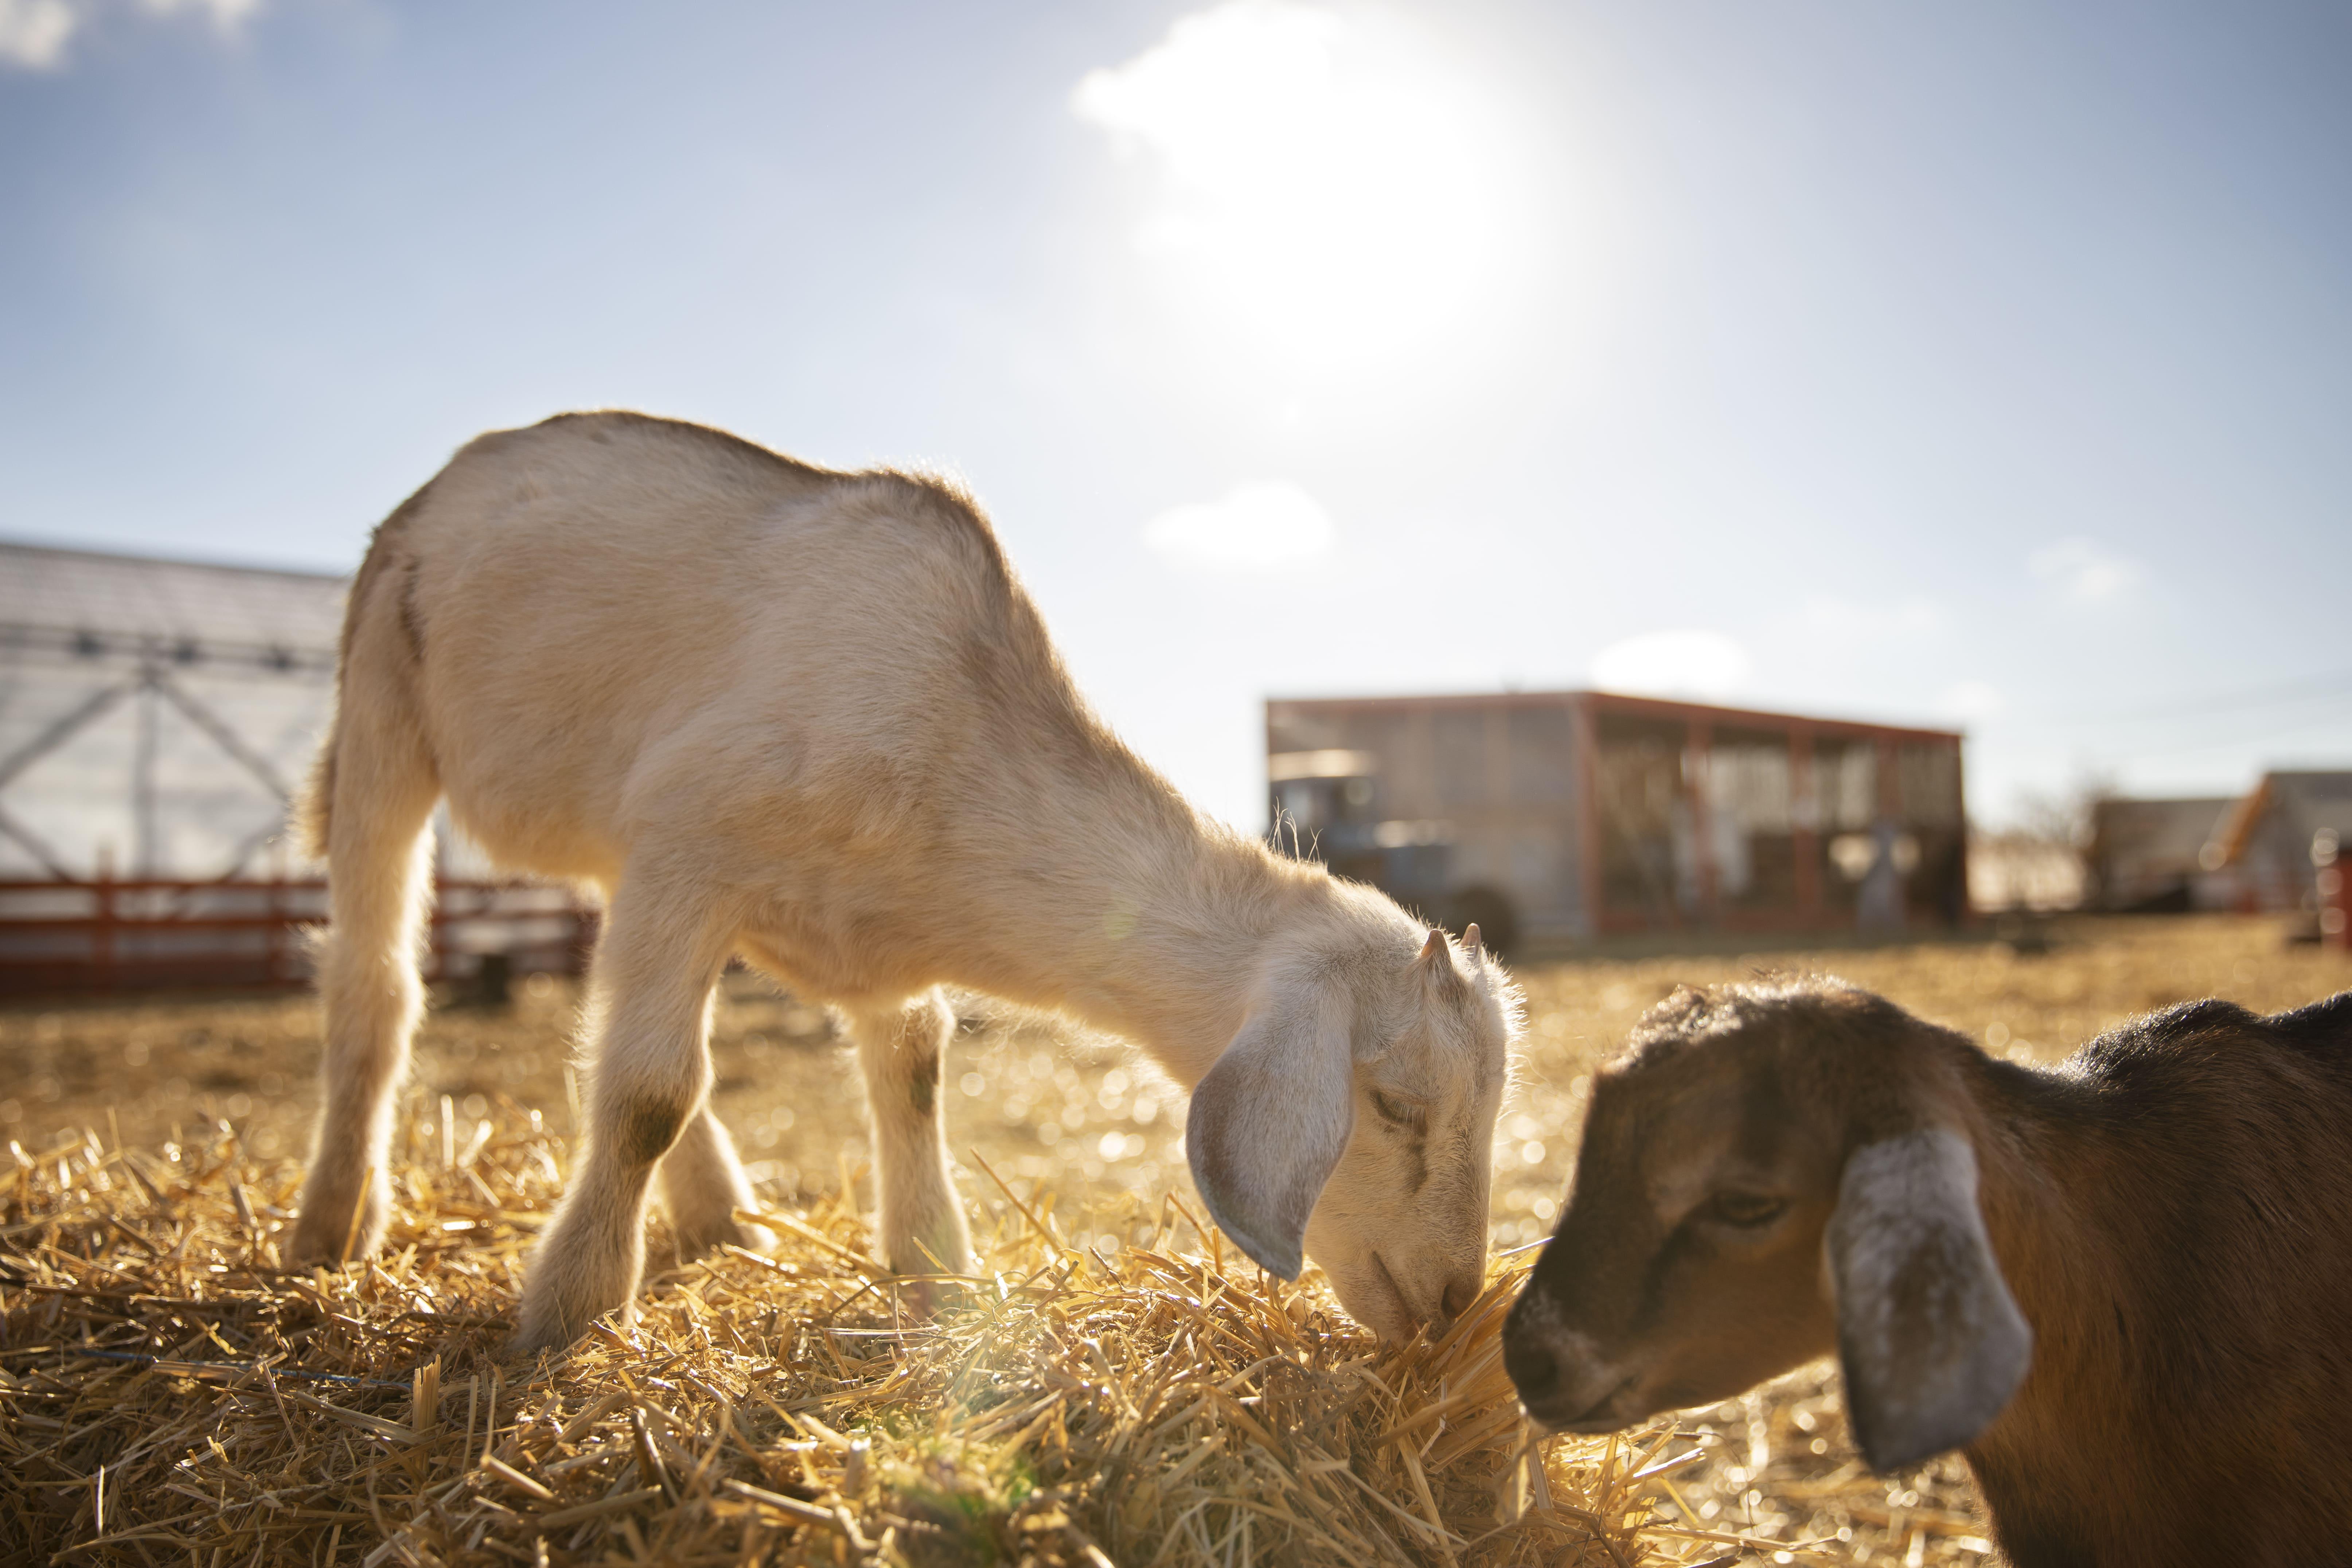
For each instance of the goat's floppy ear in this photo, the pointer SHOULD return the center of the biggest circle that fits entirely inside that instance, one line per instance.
(1931, 1340)
(1267, 1125)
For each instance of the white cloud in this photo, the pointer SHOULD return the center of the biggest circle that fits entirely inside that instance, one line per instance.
(223, 14)
(2085, 571)
(1261, 524)
(1688, 662)
(34, 32)
(1971, 702)
(1316, 174)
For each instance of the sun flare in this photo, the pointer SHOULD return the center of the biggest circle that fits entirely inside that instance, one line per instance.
(1315, 181)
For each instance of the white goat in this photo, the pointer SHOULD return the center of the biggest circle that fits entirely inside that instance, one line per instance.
(811, 718)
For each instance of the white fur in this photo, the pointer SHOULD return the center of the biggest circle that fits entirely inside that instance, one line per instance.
(811, 718)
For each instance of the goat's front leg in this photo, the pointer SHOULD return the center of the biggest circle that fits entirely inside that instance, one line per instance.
(650, 1070)
(921, 1225)
(702, 1185)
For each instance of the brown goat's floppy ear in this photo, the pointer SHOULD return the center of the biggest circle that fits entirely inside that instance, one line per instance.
(1267, 1126)
(1931, 1340)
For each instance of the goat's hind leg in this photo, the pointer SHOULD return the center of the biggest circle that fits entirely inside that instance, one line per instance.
(921, 1225)
(702, 1185)
(656, 964)
(377, 794)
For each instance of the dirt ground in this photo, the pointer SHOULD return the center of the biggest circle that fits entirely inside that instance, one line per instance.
(1057, 1112)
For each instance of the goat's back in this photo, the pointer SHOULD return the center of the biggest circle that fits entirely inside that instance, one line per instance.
(2209, 1294)
(616, 622)
(2223, 1147)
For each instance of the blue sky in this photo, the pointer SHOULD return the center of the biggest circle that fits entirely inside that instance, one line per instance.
(1986, 364)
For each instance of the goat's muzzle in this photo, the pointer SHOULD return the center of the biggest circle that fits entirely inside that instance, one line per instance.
(1564, 1384)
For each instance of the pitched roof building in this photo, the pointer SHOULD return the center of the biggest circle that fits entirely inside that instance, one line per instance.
(2274, 842)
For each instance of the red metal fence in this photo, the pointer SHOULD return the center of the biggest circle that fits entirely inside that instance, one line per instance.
(100, 936)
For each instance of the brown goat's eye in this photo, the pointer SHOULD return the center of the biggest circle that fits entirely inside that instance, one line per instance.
(1399, 1112)
(1747, 1211)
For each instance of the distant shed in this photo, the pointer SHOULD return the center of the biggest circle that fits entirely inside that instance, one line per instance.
(2152, 855)
(1558, 818)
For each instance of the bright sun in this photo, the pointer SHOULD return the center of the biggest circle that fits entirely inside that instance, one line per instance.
(1317, 180)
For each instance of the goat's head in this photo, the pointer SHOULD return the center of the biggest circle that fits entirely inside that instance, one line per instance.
(1352, 1119)
(1769, 1173)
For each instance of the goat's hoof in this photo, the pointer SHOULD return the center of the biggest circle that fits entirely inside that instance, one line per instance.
(699, 1240)
(527, 1350)
(324, 1234)
(926, 1296)
(546, 1327)
(554, 1344)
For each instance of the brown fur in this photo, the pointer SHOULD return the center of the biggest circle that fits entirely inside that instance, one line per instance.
(2168, 1208)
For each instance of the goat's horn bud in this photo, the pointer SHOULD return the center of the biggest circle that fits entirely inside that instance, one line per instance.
(1470, 938)
(1435, 946)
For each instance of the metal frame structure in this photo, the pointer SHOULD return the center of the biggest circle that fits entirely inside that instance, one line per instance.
(88, 634)
(148, 634)
(147, 664)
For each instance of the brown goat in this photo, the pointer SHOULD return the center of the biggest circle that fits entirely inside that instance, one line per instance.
(2123, 1287)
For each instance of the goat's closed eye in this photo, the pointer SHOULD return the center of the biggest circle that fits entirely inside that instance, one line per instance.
(1746, 1211)
(1399, 1112)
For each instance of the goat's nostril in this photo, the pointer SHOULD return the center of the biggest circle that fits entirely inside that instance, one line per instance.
(1460, 1292)
(1534, 1369)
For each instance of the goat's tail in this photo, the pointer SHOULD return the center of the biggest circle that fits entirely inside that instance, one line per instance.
(373, 785)
(382, 589)
(365, 811)
(314, 804)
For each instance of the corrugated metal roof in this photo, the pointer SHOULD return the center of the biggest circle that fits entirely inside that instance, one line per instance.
(131, 597)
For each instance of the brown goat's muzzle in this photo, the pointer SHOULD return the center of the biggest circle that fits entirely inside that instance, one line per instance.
(1564, 1381)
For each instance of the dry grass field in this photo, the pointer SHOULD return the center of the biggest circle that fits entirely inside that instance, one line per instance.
(1121, 1388)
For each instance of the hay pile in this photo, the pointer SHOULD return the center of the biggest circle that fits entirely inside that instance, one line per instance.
(169, 1393)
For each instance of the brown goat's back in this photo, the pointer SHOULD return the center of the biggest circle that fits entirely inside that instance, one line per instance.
(2183, 1246)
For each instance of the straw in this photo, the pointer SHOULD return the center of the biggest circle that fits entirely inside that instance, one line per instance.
(170, 1393)
(1118, 1382)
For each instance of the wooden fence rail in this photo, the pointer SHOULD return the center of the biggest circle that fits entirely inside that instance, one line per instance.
(64, 937)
